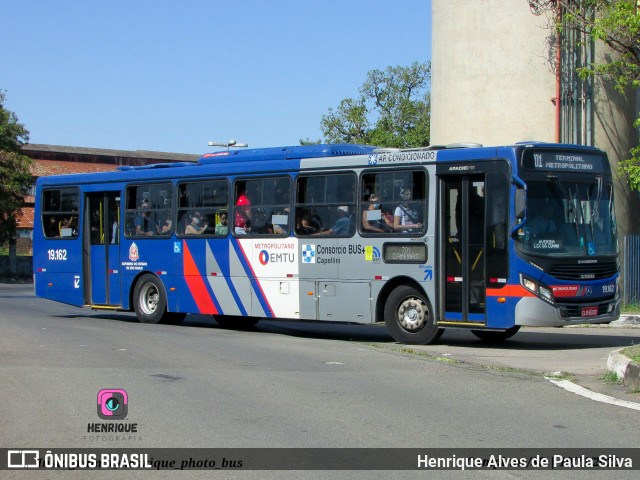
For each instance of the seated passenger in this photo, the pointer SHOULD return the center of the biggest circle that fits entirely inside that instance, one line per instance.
(196, 226)
(342, 224)
(305, 224)
(373, 219)
(405, 218)
(222, 227)
(144, 222)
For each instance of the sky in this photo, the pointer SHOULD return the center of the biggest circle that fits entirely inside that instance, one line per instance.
(171, 76)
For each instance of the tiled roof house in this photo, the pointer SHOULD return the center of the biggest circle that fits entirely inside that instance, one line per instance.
(57, 160)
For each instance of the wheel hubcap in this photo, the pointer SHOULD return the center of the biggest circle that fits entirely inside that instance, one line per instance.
(149, 297)
(412, 314)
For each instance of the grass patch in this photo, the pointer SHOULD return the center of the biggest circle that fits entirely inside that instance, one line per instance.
(561, 376)
(633, 353)
(630, 307)
(611, 377)
(430, 356)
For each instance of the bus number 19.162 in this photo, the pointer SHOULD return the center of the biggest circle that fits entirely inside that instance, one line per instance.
(58, 254)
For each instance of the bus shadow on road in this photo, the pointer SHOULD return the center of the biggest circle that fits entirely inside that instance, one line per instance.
(304, 329)
(119, 317)
(549, 339)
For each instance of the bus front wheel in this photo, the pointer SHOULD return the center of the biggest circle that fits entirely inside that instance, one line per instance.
(409, 318)
(150, 302)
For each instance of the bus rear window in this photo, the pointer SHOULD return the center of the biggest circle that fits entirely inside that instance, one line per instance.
(60, 212)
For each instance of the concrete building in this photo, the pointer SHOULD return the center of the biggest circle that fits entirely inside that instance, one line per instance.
(495, 80)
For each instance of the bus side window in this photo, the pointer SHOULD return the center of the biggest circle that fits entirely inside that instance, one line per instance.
(326, 205)
(198, 202)
(393, 202)
(60, 213)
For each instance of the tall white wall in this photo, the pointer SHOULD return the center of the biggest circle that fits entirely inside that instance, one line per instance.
(492, 75)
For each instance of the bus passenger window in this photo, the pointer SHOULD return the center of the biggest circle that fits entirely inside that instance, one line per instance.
(149, 210)
(60, 208)
(393, 202)
(199, 207)
(262, 206)
(326, 205)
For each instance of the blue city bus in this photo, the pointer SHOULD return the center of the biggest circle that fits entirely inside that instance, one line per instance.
(460, 236)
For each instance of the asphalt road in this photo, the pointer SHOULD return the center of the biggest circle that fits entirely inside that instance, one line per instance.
(294, 385)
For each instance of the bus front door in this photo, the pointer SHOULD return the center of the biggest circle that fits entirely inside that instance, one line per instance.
(101, 249)
(463, 250)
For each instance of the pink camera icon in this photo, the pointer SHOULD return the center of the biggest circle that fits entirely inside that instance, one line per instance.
(112, 404)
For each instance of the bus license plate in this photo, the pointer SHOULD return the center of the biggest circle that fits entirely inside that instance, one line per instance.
(589, 311)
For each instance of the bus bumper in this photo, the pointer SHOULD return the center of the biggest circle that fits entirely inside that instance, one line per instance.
(533, 312)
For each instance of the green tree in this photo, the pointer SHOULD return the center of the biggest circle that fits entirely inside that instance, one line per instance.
(617, 24)
(392, 110)
(15, 173)
(307, 141)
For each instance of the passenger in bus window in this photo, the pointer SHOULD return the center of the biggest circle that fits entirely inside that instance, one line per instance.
(222, 227)
(114, 232)
(373, 219)
(405, 218)
(69, 227)
(52, 227)
(280, 221)
(305, 223)
(242, 218)
(165, 229)
(341, 226)
(196, 226)
(144, 223)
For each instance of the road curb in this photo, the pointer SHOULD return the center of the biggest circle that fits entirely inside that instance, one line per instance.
(624, 368)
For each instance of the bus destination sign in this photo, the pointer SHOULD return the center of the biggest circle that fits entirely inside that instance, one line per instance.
(405, 252)
(562, 161)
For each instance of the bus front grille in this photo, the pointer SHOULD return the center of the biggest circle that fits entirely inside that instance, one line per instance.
(592, 271)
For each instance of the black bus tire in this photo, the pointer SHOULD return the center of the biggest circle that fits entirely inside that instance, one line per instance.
(409, 318)
(496, 336)
(149, 299)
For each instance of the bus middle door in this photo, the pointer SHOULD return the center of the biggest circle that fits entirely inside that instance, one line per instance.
(102, 249)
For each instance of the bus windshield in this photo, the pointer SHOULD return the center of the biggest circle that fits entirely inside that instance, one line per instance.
(568, 218)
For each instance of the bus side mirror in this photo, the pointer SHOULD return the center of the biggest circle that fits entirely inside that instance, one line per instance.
(519, 203)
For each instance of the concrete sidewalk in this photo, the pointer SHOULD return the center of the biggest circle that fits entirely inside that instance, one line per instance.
(584, 353)
(625, 368)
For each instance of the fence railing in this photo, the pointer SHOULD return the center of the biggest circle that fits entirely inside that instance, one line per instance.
(631, 266)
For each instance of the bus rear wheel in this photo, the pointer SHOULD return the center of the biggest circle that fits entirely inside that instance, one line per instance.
(409, 317)
(496, 336)
(150, 302)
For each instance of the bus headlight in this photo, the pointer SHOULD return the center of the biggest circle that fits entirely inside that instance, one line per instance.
(542, 291)
(546, 294)
(529, 285)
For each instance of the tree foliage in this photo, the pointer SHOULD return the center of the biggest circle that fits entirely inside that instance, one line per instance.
(392, 110)
(617, 24)
(15, 174)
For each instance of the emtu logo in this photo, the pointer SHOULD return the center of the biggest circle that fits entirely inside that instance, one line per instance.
(112, 404)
